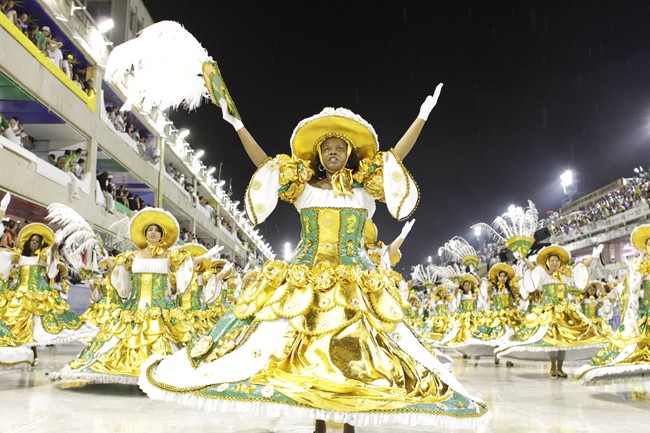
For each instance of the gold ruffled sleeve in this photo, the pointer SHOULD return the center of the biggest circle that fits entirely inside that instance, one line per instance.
(371, 175)
(294, 173)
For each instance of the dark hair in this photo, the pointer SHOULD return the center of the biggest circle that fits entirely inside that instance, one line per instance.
(160, 229)
(27, 251)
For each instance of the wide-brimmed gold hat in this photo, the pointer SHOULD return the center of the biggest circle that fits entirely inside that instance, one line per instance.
(334, 122)
(36, 229)
(440, 288)
(501, 267)
(640, 236)
(471, 278)
(553, 250)
(151, 215)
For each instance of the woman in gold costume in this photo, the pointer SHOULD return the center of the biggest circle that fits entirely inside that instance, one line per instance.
(12, 352)
(556, 325)
(149, 322)
(627, 354)
(103, 296)
(34, 311)
(322, 335)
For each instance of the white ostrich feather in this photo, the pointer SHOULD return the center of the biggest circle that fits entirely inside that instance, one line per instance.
(161, 67)
(74, 234)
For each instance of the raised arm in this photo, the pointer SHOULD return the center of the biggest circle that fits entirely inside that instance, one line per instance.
(254, 151)
(405, 144)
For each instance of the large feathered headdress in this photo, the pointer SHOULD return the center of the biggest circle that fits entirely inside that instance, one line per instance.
(515, 230)
(459, 250)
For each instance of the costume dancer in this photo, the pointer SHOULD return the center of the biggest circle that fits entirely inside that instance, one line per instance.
(627, 353)
(149, 322)
(556, 324)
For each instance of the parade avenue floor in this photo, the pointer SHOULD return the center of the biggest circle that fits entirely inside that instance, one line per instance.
(521, 399)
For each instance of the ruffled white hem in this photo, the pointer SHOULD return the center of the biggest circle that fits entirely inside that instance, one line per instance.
(44, 338)
(67, 374)
(277, 410)
(11, 357)
(609, 374)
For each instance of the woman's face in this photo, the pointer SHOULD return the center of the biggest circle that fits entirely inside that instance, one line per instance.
(153, 234)
(467, 286)
(334, 152)
(502, 277)
(554, 263)
(35, 242)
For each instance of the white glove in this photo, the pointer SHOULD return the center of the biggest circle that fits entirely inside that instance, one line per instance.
(597, 250)
(213, 251)
(4, 204)
(235, 122)
(429, 103)
(516, 255)
(406, 229)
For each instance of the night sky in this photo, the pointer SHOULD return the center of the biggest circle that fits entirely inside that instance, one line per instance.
(530, 89)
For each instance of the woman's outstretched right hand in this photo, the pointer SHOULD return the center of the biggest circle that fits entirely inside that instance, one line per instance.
(235, 122)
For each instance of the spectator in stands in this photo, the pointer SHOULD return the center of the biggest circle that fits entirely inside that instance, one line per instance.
(23, 22)
(33, 34)
(105, 180)
(53, 51)
(79, 167)
(121, 195)
(64, 162)
(42, 37)
(89, 87)
(10, 12)
(7, 239)
(66, 65)
(12, 131)
(51, 158)
(77, 81)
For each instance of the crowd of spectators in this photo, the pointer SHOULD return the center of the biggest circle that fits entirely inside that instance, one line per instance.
(13, 130)
(118, 194)
(634, 191)
(47, 43)
(144, 142)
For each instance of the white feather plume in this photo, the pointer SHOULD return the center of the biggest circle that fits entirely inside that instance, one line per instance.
(74, 234)
(457, 248)
(516, 222)
(162, 67)
(424, 274)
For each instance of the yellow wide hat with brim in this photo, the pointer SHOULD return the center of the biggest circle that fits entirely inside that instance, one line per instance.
(470, 278)
(334, 122)
(194, 249)
(439, 288)
(36, 229)
(151, 215)
(640, 236)
(501, 267)
(553, 250)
